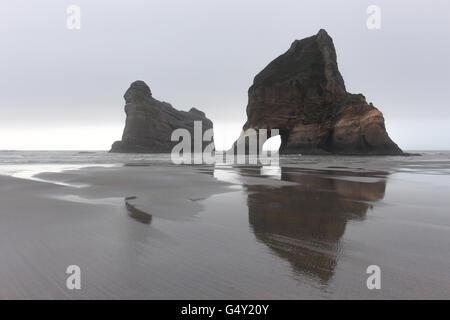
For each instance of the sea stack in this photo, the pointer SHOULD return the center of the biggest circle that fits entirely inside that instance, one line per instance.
(150, 123)
(302, 93)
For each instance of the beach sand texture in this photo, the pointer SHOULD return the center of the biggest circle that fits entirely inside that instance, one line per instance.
(306, 229)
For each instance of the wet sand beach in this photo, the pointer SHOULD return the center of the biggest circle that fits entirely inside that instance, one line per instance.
(147, 229)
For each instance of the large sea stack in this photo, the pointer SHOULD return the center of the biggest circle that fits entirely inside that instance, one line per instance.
(150, 123)
(302, 93)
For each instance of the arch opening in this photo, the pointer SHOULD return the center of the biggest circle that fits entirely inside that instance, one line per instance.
(272, 144)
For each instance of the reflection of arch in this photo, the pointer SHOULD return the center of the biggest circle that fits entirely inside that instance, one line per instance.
(304, 223)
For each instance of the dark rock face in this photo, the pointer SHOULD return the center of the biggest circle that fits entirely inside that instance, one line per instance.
(302, 94)
(150, 122)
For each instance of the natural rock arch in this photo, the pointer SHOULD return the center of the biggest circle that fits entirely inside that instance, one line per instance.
(302, 94)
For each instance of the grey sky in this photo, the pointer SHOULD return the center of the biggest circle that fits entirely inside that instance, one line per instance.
(62, 89)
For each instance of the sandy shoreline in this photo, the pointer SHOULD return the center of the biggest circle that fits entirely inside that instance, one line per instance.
(232, 233)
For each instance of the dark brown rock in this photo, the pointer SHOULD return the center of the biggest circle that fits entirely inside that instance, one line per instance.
(302, 93)
(150, 123)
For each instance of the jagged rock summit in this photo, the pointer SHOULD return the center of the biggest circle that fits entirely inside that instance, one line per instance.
(302, 93)
(150, 123)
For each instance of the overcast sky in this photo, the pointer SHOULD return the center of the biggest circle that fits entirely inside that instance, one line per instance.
(63, 89)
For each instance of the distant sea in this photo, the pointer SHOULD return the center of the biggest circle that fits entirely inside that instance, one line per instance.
(27, 164)
(9, 157)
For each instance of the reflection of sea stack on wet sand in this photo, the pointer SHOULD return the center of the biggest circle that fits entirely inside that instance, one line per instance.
(302, 93)
(304, 223)
(296, 233)
(136, 213)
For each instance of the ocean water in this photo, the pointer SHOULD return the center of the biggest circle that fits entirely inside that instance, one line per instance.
(77, 157)
(104, 157)
(27, 164)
